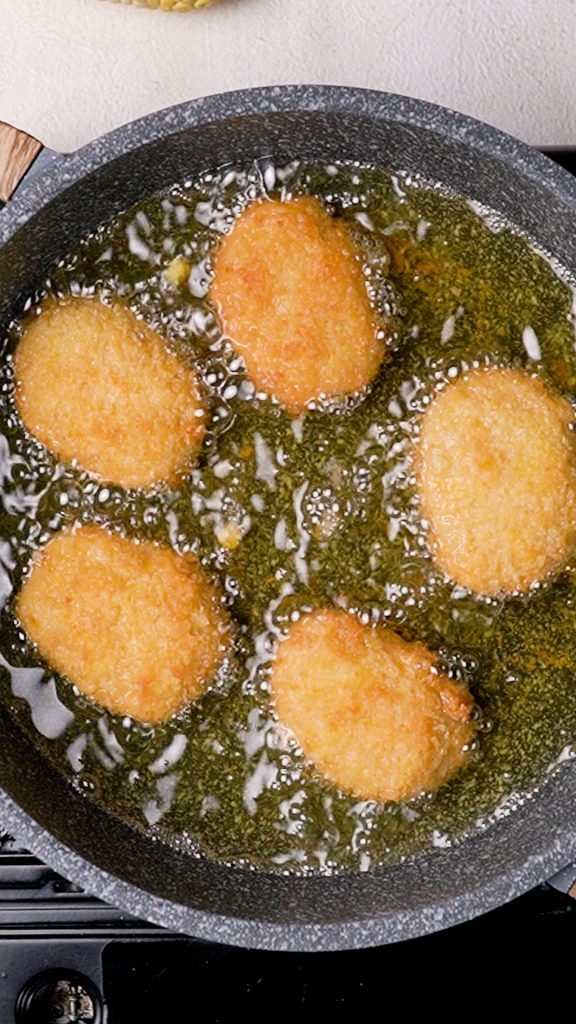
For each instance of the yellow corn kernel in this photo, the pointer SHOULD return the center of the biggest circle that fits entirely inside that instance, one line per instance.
(229, 535)
(177, 272)
(168, 5)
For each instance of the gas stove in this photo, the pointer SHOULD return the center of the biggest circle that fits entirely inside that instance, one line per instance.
(66, 957)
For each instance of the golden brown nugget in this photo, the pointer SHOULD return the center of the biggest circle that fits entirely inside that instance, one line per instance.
(291, 296)
(369, 709)
(97, 385)
(496, 470)
(137, 628)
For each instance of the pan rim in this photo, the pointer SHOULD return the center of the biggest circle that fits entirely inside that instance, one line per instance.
(68, 168)
(393, 926)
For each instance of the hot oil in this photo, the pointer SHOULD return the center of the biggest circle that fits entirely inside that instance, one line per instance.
(294, 514)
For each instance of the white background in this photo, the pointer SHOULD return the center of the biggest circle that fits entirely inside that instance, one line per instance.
(72, 69)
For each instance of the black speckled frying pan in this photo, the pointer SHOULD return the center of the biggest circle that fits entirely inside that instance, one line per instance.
(62, 199)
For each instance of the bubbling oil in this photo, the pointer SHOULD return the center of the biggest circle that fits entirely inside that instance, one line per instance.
(293, 514)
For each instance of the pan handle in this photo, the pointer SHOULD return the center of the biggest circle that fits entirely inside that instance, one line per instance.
(565, 881)
(18, 151)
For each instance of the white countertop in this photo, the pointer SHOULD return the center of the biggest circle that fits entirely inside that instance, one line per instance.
(73, 69)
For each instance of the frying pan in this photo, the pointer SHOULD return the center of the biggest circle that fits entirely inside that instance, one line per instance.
(62, 199)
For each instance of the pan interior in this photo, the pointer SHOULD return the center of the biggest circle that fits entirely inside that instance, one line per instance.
(382, 145)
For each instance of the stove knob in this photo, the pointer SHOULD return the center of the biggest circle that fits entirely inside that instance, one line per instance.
(59, 997)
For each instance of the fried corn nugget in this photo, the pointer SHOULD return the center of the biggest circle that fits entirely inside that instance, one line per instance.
(367, 707)
(496, 469)
(291, 296)
(135, 627)
(97, 385)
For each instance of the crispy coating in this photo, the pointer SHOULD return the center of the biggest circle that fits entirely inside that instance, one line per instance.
(135, 627)
(97, 385)
(291, 296)
(367, 707)
(497, 477)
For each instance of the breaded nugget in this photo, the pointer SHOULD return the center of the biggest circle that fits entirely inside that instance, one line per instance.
(496, 469)
(368, 709)
(291, 296)
(137, 628)
(97, 385)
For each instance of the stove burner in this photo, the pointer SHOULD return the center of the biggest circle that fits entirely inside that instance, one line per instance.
(59, 997)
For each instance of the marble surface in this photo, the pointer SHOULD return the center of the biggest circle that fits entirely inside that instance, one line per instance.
(73, 69)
